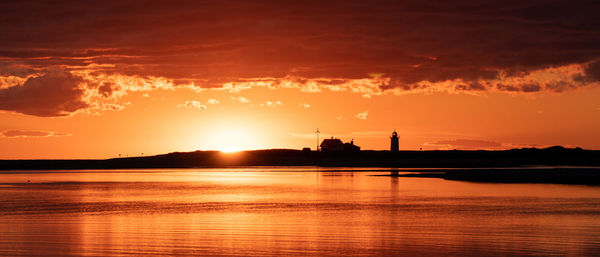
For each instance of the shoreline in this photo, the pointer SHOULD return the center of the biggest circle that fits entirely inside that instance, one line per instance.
(557, 175)
(553, 156)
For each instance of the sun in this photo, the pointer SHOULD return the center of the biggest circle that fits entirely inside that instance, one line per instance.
(231, 139)
(229, 149)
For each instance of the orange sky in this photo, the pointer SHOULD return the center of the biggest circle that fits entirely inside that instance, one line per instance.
(80, 81)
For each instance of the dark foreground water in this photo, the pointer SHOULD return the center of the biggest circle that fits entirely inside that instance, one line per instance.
(286, 212)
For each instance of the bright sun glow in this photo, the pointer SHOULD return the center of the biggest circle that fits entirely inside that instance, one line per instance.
(229, 149)
(231, 140)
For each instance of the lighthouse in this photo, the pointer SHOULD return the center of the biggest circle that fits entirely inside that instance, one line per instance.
(394, 142)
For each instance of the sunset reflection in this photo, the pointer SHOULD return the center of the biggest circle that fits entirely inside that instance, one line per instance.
(219, 212)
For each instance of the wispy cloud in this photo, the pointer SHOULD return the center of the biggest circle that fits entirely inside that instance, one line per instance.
(240, 99)
(193, 105)
(305, 105)
(31, 133)
(356, 134)
(476, 144)
(273, 104)
(212, 101)
(362, 115)
(371, 133)
(464, 144)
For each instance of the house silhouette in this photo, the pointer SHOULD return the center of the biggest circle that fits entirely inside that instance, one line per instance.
(336, 145)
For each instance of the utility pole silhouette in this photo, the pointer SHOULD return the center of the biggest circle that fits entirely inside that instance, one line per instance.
(317, 132)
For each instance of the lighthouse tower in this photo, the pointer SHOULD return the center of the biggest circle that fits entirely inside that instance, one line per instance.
(394, 142)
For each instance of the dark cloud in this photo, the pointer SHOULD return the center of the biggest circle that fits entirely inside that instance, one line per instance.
(54, 94)
(559, 86)
(592, 71)
(508, 88)
(12, 69)
(408, 41)
(31, 133)
(473, 86)
(530, 88)
(106, 89)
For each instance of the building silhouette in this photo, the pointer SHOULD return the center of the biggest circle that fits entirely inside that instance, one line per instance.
(336, 145)
(394, 142)
(351, 147)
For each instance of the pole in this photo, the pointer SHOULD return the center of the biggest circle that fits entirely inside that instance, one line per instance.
(318, 138)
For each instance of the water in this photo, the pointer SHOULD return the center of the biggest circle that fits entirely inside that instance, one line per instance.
(289, 212)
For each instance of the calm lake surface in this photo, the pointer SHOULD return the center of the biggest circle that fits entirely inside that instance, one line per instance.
(289, 212)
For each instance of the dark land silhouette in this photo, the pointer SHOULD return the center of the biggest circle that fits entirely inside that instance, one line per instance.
(552, 175)
(286, 157)
(567, 166)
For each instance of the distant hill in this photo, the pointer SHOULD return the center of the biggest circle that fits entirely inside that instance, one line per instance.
(555, 155)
